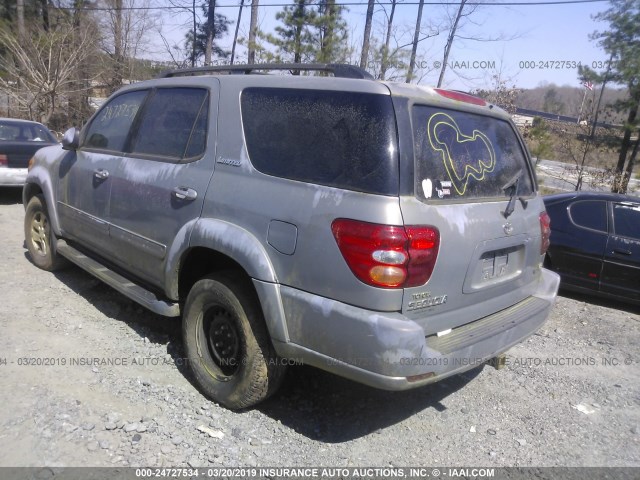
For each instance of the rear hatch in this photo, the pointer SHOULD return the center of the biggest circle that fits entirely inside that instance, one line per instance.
(17, 154)
(474, 183)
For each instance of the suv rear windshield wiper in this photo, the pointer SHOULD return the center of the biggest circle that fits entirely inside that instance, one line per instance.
(513, 185)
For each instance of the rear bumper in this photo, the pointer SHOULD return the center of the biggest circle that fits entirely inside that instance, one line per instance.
(389, 351)
(12, 177)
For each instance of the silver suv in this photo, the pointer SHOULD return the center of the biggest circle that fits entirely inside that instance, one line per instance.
(389, 233)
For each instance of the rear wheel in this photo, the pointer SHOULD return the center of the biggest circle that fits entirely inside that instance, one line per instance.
(227, 342)
(39, 238)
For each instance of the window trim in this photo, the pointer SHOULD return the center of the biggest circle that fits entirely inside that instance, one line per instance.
(577, 225)
(462, 200)
(291, 89)
(613, 218)
(135, 125)
(83, 135)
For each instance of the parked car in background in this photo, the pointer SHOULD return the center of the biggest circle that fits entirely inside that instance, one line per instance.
(595, 243)
(19, 140)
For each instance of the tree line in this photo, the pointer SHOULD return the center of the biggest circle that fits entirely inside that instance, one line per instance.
(56, 54)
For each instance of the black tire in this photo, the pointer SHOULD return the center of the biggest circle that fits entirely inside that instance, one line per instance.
(227, 343)
(40, 240)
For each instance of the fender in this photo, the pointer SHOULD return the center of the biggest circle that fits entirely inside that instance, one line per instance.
(46, 162)
(237, 243)
(224, 237)
(39, 178)
(241, 246)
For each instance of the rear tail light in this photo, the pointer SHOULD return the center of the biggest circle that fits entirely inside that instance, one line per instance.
(545, 232)
(4, 161)
(386, 255)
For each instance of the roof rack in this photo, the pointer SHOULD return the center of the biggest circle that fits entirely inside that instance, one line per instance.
(338, 69)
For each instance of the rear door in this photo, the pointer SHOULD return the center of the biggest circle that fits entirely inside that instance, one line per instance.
(159, 187)
(473, 182)
(621, 272)
(579, 235)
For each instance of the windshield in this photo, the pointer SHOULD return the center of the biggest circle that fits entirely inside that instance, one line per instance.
(461, 155)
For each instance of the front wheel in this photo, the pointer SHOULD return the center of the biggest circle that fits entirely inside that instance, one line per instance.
(39, 238)
(227, 343)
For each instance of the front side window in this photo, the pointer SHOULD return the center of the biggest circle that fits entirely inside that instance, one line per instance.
(173, 124)
(110, 127)
(463, 156)
(339, 139)
(626, 220)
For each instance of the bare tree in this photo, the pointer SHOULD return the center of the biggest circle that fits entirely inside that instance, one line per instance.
(456, 25)
(364, 54)
(384, 61)
(235, 35)
(174, 51)
(118, 42)
(414, 47)
(44, 6)
(253, 32)
(20, 15)
(210, 29)
(125, 36)
(450, 38)
(47, 64)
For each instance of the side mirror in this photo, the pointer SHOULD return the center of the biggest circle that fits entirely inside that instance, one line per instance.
(71, 139)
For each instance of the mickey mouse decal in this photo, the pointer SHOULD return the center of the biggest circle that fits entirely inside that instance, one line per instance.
(464, 156)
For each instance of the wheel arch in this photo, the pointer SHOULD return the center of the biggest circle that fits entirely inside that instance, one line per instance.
(39, 183)
(214, 245)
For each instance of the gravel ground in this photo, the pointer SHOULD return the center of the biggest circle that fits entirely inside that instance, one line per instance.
(109, 388)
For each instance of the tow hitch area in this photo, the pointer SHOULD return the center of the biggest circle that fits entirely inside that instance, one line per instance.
(498, 362)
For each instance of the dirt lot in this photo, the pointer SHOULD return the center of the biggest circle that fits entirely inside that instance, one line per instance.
(90, 379)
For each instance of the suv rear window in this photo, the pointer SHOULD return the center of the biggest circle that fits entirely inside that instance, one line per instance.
(340, 139)
(461, 155)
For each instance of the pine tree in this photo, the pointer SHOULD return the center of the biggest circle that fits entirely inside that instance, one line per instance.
(294, 39)
(331, 33)
(310, 33)
(205, 34)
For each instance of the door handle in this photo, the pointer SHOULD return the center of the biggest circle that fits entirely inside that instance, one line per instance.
(101, 174)
(621, 252)
(185, 193)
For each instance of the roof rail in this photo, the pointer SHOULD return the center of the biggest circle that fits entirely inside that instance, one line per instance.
(338, 69)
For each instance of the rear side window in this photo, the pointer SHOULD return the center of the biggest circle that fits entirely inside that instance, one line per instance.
(340, 139)
(173, 123)
(464, 156)
(25, 132)
(590, 214)
(110, 128)
(626, 220)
